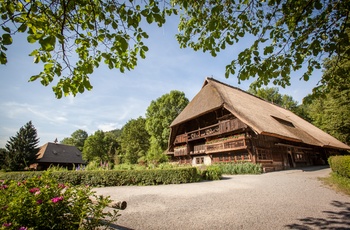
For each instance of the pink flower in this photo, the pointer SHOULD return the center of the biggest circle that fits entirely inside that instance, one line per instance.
(34, 190)
(62, 186)
(3, 186)
(23, 228)
(39, 201)
(57, 199)
(7, 224)
(37, 193)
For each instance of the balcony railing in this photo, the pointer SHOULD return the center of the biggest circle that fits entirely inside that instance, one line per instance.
(181, 151)
(226, 145)
(220, 128)
(198, 149)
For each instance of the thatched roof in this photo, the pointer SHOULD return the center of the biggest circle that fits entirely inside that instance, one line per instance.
(59, 153)
(261, 116)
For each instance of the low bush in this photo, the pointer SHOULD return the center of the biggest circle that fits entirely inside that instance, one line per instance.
(40, 202)
(117, 177)
(212, 172)
(340, 165)
(240, 168)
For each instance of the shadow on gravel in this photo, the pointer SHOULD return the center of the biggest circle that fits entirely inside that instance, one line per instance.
(338, 220)
(118, 227)
(309, 168)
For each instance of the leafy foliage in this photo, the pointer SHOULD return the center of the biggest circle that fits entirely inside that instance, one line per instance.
(272, 95)
(119, 177)
(91, 32)
(3, 153)
(340, 165)
(161, 112)
(284, 34)
(336, 70)
(43, 203)
(240, 168)
(77, 139)
(328, 106)
(134, 141)
(331, 114)
(100, 146)
(22, 148)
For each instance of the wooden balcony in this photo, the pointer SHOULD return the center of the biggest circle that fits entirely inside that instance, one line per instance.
(181, 151)
(226, 145)
(220, 128)
(181, 138)
(198, 149)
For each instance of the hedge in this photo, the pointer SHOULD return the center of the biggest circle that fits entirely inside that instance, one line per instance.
(340, 165)
(117, 177)
(233, 168)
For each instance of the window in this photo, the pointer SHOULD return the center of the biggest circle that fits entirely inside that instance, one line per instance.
(264, 154)
(199, 160)
(283, 122)
(299, 155)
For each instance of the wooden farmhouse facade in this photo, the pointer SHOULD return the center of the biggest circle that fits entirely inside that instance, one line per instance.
(224, 124)
(54, 154)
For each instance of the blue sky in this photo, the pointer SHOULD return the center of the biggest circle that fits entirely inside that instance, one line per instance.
(116, 98)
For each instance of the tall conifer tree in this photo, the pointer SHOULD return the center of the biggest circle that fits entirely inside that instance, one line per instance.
(22, 148)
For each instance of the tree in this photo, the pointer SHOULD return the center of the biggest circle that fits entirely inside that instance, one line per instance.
(22, 148)
(336, 71)
(272, 94)
(329, 105)
(331, 114)
(113, 145)
(161, 112)
(96, 31)
(3, 154)
(134, 141)
(77, 139)
(95, 147)
(285, 35)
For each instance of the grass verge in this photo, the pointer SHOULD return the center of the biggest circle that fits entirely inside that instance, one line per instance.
(338, 183)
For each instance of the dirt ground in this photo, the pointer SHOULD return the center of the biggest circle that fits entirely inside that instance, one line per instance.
(290, 199)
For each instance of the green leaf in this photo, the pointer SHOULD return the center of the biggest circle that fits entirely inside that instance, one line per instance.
(318, 5)
(6, 39)
(87, 84)
(48, 43)
(6, 29)
(149, 18)
(34, 77)
(22, 28)
(31, 38)
(268, 50)
(48, 67)
(142, 54)
(3, 58)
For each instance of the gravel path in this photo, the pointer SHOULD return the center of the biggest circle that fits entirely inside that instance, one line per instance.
(291, 199)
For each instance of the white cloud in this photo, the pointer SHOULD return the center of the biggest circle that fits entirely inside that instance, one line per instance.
(108, 126)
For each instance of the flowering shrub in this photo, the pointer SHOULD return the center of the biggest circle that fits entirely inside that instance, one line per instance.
(42, 203)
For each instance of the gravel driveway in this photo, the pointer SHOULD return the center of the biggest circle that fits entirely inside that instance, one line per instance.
(291, 199)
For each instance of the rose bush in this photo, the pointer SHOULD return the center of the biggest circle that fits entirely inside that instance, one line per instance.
(42, 203)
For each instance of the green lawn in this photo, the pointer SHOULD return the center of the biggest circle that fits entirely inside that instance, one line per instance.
(338, 183)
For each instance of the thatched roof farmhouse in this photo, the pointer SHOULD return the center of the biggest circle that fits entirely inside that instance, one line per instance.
(224, 123)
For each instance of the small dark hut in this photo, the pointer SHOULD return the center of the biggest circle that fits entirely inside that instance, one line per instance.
(224, 123)
(54, 154)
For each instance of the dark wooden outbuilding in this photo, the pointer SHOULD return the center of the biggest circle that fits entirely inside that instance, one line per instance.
(54, 154)
(224, 123)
